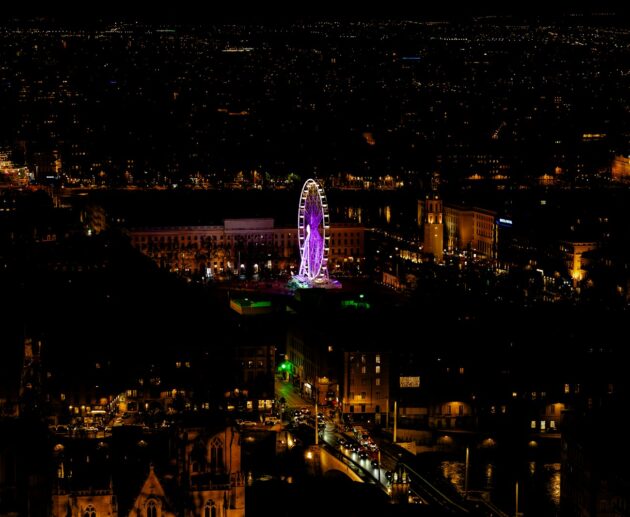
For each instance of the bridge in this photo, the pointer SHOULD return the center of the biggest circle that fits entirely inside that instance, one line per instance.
(323, 462)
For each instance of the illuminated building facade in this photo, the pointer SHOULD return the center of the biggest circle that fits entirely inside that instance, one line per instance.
(621, 168)
(242, 247)
(208, 481)
(433, 227)
(471, 229)
(11, 174)
(315, 364)
(574, 260)
(453, 414)
(366, 385)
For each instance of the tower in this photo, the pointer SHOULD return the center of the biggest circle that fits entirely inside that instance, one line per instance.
(433, 226)
(31, 379)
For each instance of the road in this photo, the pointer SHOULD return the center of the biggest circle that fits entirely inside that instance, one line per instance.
(433, 492)
(291, 395)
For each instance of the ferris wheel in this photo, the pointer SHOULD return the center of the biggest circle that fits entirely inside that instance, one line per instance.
(313, 232)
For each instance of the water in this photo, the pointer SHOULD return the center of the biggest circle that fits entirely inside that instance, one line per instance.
(539, 484)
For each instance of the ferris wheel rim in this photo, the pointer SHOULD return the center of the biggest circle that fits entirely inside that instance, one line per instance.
(324, 223)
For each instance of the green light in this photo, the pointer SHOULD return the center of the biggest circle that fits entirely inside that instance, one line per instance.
(285, 366)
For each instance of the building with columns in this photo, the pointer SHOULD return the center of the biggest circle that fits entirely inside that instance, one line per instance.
(471, 229)
(242, 247)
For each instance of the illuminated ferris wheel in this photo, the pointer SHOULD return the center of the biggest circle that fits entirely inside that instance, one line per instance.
(313, 233)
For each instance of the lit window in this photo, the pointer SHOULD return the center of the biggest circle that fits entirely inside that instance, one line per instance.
(533, 424)
(363, 369)
(152, 510)
(567, 388)
(378, 359)
(210, 510)
(461, 370)
(216, 454)
(378, 368)
(378, 381)
(89, 512)
(330, 348)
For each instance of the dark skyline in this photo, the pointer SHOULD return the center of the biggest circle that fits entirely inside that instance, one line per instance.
(284, 11)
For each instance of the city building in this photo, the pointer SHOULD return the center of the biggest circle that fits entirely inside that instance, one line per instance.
(594, 480)
(315, 363)
(242, 247)
(207, 480)
(473, 230)
(433, 225)
(366, 385)
(573, 257)
(621, 168)
(11, 174)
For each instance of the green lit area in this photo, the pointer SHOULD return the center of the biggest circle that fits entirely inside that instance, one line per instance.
(285, 366)
(246, 302)
(245, 306)
(359, 303)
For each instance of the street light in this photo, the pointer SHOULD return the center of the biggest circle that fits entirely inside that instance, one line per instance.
(316, 422)
(395, 419)
(466, 474)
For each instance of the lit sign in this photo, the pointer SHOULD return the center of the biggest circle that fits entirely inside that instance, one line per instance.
(410, 382)
(505, 222)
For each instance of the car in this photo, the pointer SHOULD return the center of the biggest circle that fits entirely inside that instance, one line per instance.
(389, 475)
(375, 464)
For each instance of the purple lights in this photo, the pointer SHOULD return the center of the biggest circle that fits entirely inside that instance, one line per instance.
(313, 223)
